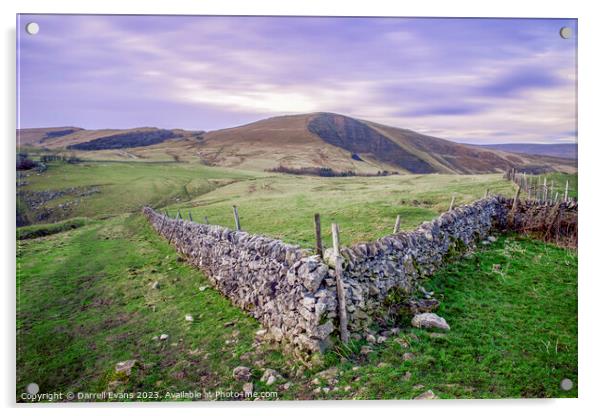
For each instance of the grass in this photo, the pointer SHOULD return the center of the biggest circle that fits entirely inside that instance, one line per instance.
(85, 302)
(85, 296)
(283, 206)
(41, 230)
(124, 187)
(514, 331)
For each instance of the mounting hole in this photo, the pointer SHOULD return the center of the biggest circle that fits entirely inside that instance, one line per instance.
(32, 28)
(566, 32)
(566, 384)
(32, 388)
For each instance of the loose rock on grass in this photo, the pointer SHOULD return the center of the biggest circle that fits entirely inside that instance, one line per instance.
(427, 395)
(429, 320)
(270, 376)
(125, 367)
(247, 388)
(241, 373)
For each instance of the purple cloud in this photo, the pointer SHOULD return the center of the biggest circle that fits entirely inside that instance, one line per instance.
(447, 110)
(461, 79)
(522, 79)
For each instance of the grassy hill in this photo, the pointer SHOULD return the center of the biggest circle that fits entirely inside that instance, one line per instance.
(317, 140)
(103, 189)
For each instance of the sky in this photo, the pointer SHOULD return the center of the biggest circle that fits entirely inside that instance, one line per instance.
(469, 80)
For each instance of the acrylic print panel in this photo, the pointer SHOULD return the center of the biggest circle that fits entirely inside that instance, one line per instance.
(287, 208)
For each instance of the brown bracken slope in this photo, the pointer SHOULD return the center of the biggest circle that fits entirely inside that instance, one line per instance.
(323, 140)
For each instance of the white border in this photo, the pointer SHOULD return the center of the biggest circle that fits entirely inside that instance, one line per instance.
(589, 164)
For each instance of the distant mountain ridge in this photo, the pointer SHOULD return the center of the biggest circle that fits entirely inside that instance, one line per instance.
(564, 150)
(314, 140)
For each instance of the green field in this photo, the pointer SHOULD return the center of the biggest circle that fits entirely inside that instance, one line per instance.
(281, 206)
(122, 187)
(85, 296)
(556, 182)
(365, 208)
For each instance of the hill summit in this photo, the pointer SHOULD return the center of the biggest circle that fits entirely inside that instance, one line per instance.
(304, 141)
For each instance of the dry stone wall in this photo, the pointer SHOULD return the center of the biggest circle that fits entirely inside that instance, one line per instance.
(277, 283)
(394, 265)
(293, 294)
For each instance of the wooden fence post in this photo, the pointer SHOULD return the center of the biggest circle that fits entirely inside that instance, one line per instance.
(236, 220)
(174, 228)
(545, 189)
(486, 193)
(206, 220)
(318, 228)
(451, 205)
(524, 179)
(340, 288)
(397, 224)
(189, 216)
(515, 202)
(566, 191)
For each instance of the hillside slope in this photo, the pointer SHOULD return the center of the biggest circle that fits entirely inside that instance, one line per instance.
(344, 143)
(316, 140)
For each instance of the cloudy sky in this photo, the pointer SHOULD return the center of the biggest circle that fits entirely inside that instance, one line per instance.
(468, 80)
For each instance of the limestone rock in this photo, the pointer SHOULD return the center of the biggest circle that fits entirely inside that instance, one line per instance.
(247, 388)
(125, 367)
(270, 376)
(163, 337)
(427, 395)
(328, 374)
(429, 320)
(241, 373)
(313, 279)
(408, 356)
(423, 305)
(365, 350)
